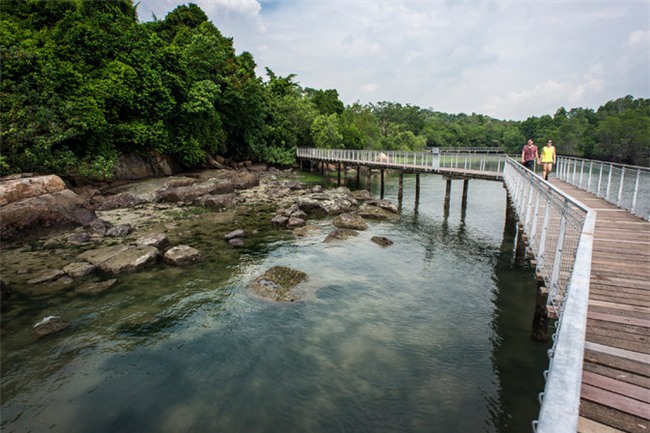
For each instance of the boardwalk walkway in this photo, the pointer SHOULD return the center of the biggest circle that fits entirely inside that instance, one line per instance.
(615, 393)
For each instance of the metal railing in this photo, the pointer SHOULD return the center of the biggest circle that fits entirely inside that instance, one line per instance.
(560, 233)
(625, 186)
(424, 161)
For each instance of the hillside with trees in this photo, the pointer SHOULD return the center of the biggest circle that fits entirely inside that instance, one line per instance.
(84, 81)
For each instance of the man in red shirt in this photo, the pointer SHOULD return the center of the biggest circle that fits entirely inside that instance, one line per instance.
(529, 154)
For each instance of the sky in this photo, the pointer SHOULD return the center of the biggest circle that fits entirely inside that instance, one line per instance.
(509, 59)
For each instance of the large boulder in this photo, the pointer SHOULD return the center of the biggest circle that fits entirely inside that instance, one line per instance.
(16, 188)
(379, 210)
(333, 202)
(245, 180)
(277, 284)
(130, 260)
(121, 200)
(26, 210)
(192, 192)
(131, 167)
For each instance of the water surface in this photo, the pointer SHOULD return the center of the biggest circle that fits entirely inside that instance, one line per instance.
(430, 334)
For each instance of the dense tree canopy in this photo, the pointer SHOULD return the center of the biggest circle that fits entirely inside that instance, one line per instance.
(84, 81)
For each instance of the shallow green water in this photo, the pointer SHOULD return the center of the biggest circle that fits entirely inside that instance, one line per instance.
(430, 334)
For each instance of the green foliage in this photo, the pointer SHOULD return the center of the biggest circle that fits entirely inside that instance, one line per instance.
(325, 131)
(84, 82)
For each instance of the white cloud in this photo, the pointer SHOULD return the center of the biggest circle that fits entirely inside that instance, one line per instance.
(508, 59)
(639, 37)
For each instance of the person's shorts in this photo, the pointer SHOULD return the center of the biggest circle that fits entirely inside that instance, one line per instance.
(529, 164)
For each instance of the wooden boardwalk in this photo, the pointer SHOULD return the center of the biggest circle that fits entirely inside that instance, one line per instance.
(615, 393)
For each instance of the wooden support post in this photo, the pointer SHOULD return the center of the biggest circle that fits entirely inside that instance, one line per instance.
(382, 184)
(400, 190)
(358, 174)
(322, 168)
(463, 205)
(338, 174)
(417, 190)
(541, 320)
(447, 194)
(511, 217)
(300, 162)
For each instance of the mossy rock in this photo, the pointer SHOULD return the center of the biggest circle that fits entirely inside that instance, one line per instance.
(277, 283)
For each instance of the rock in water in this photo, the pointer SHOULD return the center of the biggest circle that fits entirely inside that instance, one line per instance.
(182, 255)
(349, 221)
(49, 325)
(277, 283)
(380, 240)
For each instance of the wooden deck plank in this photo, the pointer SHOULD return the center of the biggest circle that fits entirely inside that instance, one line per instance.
(623, 376)
(585, 425)
(617, 401)
(616, 370)
(619, 319)
(613, 417)
(617, 386)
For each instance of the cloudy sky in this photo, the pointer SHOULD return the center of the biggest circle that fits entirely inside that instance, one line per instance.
(508, 59)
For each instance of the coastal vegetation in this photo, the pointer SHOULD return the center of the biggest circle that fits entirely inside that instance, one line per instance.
(84, 82)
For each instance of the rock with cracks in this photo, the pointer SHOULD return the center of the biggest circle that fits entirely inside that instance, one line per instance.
(277, 284)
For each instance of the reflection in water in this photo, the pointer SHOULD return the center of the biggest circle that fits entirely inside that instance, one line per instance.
(429, 334)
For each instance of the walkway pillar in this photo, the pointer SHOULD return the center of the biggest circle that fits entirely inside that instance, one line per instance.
(417, 190)
(358, 174)
(540, 316)
(447, 194)
(381, 195)
(400, 190)
(338, 174)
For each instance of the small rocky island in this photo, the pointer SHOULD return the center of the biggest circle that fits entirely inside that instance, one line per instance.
(99, 231)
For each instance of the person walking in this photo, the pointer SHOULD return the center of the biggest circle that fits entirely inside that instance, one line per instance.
(548, 158)
(529, 154)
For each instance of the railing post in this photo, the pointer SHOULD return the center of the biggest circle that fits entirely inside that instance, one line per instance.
(582, 166)
(557, 260)
(591, 165)
(600, 180)
(542, 240)
(636, 190)
(609, 182)
(619, 199)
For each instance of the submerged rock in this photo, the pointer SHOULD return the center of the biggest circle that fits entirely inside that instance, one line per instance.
(339, 234)
(47, 276)
(277, 283)
(96, 288)
(49, 325)
(380, 240)
(79, 269)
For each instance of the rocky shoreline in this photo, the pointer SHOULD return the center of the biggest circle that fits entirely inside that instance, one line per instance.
(56, 236)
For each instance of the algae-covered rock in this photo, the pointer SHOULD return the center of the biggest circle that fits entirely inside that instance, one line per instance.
(277, 283)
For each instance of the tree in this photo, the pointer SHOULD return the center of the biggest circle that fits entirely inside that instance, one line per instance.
(325, 132)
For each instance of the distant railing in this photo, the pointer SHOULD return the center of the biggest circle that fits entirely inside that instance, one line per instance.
(560, 233)
(426, 161)
(626, 186)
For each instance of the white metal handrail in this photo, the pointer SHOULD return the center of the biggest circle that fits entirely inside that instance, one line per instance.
(626, 186)
(560, 232)
(425, 161)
